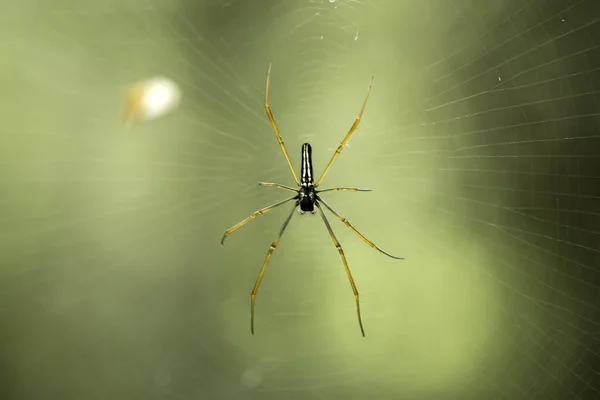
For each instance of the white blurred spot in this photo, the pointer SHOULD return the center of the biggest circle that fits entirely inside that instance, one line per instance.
(252, 378)
(151, 99)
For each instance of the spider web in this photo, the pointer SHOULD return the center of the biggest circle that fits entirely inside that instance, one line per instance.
(480, 142)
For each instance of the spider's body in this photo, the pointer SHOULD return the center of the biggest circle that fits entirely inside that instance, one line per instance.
(307, 194)
(306, 197)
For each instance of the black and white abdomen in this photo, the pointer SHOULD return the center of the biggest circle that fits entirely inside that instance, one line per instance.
(307, 195)
(306, 172)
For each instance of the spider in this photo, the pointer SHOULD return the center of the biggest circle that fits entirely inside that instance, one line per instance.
(308, 198)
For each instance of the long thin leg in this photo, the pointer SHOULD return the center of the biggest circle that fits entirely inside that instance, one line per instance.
(251, 217)
(337, 189)
(279, 139)
(338, 246)
(350, 132)
(262, 270)
(277, 185)
(360, 235)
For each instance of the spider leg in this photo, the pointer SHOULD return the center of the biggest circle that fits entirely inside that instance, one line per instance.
(262, 270)
(347, 189)
(277, 185)
(338, 246)
(251, 217)
(360, 235)
(350, 132)
(279, 139)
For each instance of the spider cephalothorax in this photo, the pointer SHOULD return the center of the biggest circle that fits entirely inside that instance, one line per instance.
(306, 197)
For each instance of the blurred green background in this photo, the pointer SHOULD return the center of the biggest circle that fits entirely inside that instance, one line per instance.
(480, 142)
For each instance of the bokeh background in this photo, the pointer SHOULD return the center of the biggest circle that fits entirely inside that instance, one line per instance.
(480, 141)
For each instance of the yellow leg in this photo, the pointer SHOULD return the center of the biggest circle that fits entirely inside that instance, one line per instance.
(350, 132)
(360, 235)
(251, 217)
(338, 246)
(277, 185)
(262, 270)
(337, 189)
(279, 139)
